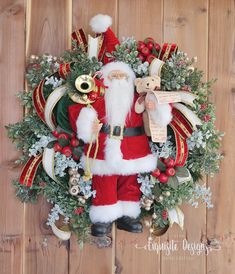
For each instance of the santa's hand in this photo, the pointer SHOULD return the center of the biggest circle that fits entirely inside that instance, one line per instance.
(150, 105)
(96, 127)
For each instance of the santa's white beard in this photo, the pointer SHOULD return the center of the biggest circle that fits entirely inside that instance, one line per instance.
(118, 100)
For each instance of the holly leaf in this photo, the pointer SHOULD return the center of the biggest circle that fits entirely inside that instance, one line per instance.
(156, 190)
(161, 165)
(183, 175)
(77, 151)
(51, 144)
(173, 182)
(63, 142)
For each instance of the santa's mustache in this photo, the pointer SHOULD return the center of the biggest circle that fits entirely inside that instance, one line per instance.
(118, 83)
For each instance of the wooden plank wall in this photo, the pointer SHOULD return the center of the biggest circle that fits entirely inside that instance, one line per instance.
(203, 28)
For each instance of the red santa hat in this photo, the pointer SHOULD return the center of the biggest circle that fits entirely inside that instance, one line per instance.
(101, 23)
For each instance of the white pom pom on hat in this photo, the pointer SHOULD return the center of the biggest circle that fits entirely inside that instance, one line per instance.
(100, 23)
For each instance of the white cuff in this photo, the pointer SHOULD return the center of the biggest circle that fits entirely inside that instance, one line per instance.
(84, 124)
(105, 213)
(110, 213)
(131, 209)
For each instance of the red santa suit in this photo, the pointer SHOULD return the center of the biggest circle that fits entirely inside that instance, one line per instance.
(118, 160)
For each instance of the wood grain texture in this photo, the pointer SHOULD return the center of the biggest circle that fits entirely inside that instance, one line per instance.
(84, 10)
(141, 19)
(47, 30)
(221, 219)
(185, 23)
(48, 26)
(11, 79)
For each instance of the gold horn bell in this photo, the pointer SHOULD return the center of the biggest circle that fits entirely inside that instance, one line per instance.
(84, 85)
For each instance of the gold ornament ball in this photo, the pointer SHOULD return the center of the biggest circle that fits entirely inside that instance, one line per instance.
(151, 230)
(154, 216)
(77, 176)
(167, 193)
(74, 190)
(73, 171)
(73, 181)
(160, 198)
(84, 97)
(147, 223)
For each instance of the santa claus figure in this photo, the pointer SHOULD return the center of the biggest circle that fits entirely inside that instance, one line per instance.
(123, 151)
(119, 151)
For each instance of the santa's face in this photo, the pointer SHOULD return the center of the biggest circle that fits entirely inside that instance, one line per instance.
(118, 97)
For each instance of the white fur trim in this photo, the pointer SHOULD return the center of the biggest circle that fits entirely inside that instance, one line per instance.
(162, 113)
(100, 23)
(117, 66)
(105, 213)
(110, 213)
(84, 124)
(131, 209)
(122, 167)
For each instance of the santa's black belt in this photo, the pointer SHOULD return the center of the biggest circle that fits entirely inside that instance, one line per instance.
(120, 132)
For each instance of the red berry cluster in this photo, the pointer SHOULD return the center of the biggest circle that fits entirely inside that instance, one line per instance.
(163, 176)
(66, 144)
(148, 50)
(164, 214)
(93, 95)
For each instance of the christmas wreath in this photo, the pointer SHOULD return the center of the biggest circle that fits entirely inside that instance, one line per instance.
(63, 163)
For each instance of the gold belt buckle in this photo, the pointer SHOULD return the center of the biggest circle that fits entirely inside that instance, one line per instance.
(120, 136)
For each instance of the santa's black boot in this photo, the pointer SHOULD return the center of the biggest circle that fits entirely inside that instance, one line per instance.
(101, 229)
(130, 224)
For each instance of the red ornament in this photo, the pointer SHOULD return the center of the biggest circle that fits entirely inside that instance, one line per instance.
(164, 214)
(72, 135)
(74, 142)
(157, 47)
(76, 158)
(55, 133)
(150, 58)
(163, 178)
(67, 151)
(170, 171)
(156, 173)
(203, 107)
(140, 45)
(42, 184)
(149, 39)
(169, 162)
(145, 51)
(93, 96)
(57, 147)
(63, 136)
(150, 45)
(207, 118)
(141, 57)
(78, 210)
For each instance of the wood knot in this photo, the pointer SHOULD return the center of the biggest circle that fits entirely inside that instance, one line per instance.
(13, 9)
(181, 21)
(118, 266)
(202, 9)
